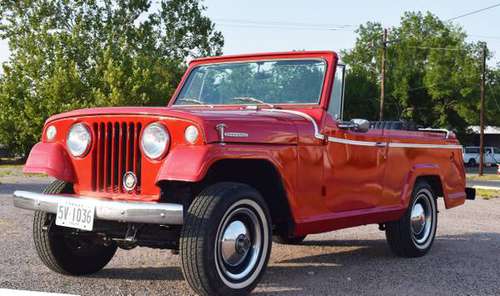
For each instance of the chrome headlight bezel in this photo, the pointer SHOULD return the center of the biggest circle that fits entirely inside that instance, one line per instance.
(79, 140)
(155, 141)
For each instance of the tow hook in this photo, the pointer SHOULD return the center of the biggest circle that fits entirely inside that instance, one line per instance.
(48, 223)
(130, 240)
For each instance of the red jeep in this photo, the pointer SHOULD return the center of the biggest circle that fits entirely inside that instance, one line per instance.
(250, 149)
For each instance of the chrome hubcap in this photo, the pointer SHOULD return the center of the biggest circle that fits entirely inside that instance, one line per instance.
(421, 219)
(417, 219)
(235, 243)
(241, 244)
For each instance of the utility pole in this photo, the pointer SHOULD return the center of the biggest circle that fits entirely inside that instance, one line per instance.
(382, 75)
(481, 120)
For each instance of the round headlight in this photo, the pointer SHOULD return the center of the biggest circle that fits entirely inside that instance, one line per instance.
(78, 140)
(51, 133)
(191, 134)
(155, 140)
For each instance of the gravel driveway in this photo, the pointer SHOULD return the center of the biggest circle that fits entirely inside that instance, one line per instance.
(465, 260)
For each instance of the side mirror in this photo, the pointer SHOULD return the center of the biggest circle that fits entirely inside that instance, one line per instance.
(358, 125)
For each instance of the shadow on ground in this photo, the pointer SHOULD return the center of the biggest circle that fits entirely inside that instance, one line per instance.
(9, 188)
(353, 266)
(142, 273)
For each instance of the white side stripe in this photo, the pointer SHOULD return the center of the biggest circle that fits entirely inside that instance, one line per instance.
(320, 136)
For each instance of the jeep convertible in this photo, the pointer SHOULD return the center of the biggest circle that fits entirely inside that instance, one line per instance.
(251, 149)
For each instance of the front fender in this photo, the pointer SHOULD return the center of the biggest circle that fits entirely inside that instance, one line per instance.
(187, 163)
(191, 163)
(51, 159)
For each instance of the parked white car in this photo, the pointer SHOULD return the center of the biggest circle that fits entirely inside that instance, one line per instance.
(471, 155)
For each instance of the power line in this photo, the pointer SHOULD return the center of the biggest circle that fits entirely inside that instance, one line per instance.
(281, 27)
(238, 23)
(485, 37)
(437, 48)
(281, 23)
(473, 12)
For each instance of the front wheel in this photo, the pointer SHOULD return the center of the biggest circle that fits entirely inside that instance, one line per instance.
(413, 234)
(66, 251)
(226, 240)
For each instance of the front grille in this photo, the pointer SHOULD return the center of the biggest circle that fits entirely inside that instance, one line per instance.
(116, 152)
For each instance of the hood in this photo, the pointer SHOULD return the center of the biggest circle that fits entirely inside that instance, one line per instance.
(241, 126)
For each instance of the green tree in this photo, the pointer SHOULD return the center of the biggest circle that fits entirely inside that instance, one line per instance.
(432, 73)
(492, 99)
(68, 54)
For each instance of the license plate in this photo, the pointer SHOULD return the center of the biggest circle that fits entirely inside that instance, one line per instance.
(75, 214)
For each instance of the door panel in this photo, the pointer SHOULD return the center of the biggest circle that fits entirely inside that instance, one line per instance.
(354, 168)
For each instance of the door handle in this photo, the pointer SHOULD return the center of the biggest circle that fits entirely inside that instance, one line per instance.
(380, 144)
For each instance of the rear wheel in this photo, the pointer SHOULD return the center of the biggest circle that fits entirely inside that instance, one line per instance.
(471, 162)
(64, 250)
(226, 240)
(413, 234)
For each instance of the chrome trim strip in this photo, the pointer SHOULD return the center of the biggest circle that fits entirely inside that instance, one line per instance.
(357, 143)
(320, 136)
(411, 145)
(264, 59)
(112, 210)
(391, 145)
(306, 116)
(440, 130)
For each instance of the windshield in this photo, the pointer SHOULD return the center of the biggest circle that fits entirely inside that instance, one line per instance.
(251, 83)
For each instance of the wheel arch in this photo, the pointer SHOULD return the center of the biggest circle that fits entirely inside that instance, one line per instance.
(452, 193)
(434, 181)
(260, 173)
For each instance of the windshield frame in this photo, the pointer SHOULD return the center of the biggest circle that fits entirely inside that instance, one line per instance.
(188, 74)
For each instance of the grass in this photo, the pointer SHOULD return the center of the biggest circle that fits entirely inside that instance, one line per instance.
(5, 173)
(487, 193)
(10, 170)
(10, 166)
(7, 170)
(16, 170)
(488, 177)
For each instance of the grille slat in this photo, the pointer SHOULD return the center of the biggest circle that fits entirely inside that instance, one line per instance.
(116, 152)
(99, 157)
(113, 156)
(134, 159)
(105, 150)
(137, 154)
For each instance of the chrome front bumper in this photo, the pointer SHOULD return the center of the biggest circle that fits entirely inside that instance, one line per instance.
(122, 211)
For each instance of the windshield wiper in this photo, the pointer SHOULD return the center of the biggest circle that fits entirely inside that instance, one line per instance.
(252, 100)
(191, 100)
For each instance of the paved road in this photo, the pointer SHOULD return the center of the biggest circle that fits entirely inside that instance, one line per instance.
(464, 260)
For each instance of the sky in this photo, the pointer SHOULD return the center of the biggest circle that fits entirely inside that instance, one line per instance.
(280, 25)
(252, 37)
